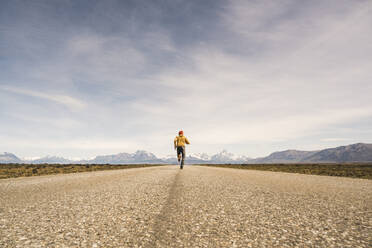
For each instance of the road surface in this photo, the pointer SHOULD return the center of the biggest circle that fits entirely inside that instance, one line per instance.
(196, 207)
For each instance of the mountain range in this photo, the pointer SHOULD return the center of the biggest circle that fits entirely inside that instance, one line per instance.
(359, 152)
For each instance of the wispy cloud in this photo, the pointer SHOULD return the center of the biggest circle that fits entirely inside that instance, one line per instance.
(335, 139)
(68, 101)
(60, 123)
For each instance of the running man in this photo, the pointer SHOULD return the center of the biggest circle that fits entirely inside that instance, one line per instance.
(179, 144)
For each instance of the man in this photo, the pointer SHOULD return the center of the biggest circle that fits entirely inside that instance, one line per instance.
(179, 144)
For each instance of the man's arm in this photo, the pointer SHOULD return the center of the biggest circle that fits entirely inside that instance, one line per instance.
(187, 141)
(175, 143)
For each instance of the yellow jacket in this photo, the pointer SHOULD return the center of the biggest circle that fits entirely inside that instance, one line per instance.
(180, 141)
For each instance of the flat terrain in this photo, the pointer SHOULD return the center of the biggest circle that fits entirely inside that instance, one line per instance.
(196, 207)
(29, 170)
(355, 170)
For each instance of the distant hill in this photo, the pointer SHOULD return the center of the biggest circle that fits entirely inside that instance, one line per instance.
(352, 153)
(288, 156)
(227, 157)
(50, 160)
(127, 158)
(7, 157)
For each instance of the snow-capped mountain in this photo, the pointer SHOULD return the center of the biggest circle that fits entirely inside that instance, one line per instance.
(126, 158)
(227, 157)
(223, 157)
(7, 157)
(201, 156)
(50, 160)
(170, 159)
(195, 158)
(352, 153)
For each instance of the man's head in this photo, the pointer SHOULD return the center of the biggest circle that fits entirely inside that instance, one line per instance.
(180, 133)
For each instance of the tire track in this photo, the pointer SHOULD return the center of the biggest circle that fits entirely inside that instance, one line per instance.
(162, 220)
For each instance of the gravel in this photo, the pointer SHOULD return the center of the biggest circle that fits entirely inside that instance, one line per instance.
(194, 207)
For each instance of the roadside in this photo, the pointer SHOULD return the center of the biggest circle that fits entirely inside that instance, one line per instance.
(27, 170)
(354, 170)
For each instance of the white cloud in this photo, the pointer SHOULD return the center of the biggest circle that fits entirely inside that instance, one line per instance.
(79, 147)
(103, 58)
(68, 101)
(280, 129)
(61, 123)
(335, 139)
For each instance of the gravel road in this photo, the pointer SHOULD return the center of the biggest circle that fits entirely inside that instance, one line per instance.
(196, 207)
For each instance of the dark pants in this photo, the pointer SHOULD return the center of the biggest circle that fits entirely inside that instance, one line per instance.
(181, 150)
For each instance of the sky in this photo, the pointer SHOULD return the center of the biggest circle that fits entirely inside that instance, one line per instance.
(84, 78)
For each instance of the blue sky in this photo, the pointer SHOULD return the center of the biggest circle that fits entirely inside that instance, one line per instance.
(82, 78)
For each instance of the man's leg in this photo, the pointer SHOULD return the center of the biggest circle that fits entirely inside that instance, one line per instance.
(183, 155)
(179, 153)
